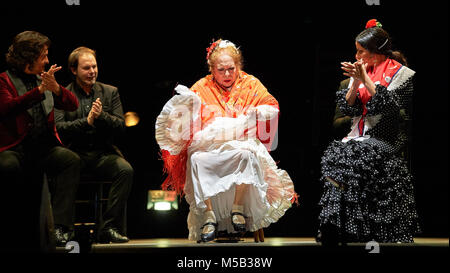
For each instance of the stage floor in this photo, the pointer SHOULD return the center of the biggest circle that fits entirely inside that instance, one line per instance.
(247, 244)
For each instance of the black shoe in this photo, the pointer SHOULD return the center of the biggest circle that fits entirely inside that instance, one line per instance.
(62, 236)
(329, 236)
(111, 235)
(238, 227)
(206, 237)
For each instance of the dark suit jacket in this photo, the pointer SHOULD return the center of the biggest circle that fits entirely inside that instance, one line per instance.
(341, 122)
(73, 126)
(15, 101)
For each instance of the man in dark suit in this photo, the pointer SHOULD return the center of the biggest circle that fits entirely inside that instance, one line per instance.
(30, 145)
(90, 132)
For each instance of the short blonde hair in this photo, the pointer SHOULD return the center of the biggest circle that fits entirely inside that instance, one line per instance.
(75, 55)
(232, 51)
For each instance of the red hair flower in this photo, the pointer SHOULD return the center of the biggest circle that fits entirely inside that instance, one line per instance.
(373, 23)
(211, 48)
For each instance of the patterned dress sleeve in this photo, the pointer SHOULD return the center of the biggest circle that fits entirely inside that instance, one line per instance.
(346, 109)
(394, 97)
(405, 97)
(383, 101)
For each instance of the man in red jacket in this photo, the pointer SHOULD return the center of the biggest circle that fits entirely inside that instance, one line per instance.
(30, 145)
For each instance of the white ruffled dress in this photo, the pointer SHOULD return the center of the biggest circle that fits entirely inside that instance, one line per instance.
(217, 163)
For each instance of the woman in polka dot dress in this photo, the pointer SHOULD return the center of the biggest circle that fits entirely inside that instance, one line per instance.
(368, 193)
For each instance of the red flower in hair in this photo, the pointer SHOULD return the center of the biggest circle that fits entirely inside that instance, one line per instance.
(373, 23)
(211, 48)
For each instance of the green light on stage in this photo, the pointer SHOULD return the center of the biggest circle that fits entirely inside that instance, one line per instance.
(162, 200)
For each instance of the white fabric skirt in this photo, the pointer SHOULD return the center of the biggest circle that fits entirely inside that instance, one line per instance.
(214, 174)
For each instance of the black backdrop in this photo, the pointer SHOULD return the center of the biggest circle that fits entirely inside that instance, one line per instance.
(293, 48)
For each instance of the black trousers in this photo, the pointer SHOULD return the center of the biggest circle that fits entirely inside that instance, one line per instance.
(21, 177)
(109, 165)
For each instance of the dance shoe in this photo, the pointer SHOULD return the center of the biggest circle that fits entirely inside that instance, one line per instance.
(209, 227)
(111, 235)
(238, 222)
(208, 232)
(62, 236)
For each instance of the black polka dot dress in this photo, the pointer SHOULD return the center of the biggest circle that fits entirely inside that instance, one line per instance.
(367, 187)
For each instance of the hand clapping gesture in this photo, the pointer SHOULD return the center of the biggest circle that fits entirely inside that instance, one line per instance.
(356, 70)
(95, 112)
(49, 82)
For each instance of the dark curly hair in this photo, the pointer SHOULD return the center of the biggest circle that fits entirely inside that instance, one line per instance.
(25, 49)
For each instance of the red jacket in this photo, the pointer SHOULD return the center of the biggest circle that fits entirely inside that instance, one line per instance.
(15, 121)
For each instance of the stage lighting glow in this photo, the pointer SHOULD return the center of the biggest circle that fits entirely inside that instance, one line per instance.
(131, 119)
(163, 206)
(162, 200)
(276, 242)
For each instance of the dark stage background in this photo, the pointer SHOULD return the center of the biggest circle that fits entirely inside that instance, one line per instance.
(293, 48)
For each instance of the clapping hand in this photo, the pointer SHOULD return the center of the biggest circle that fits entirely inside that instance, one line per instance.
(95, 112)
(356, 70)
(49, 82)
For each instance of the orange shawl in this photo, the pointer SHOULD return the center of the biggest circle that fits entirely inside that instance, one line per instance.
(247, 92)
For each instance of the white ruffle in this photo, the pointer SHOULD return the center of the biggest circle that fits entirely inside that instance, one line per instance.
(369, 123)
(224, 129)
(267, 112)
(401, 77)
(174, 124)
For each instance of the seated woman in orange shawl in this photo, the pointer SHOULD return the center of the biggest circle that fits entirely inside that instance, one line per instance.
(214, 139)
